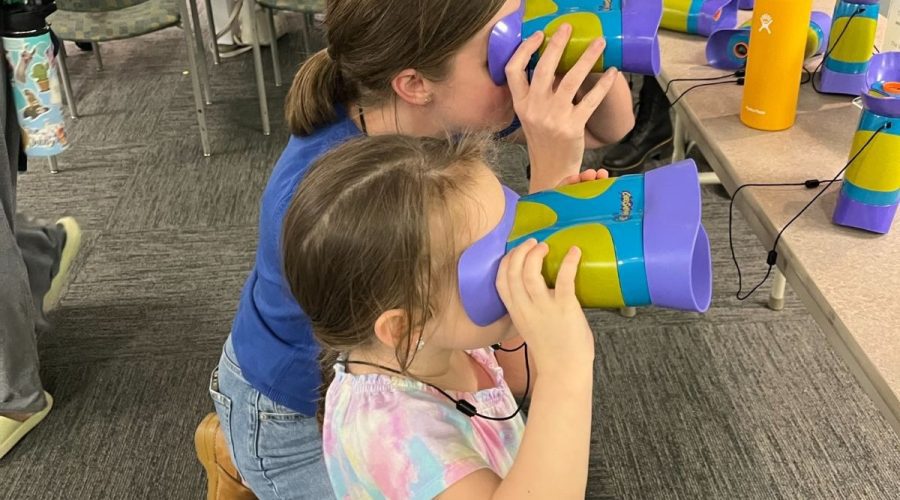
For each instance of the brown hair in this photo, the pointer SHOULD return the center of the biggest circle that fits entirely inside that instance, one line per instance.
(370, 42)
(358, 236)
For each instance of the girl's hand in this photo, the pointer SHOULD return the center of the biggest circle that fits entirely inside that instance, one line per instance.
(585, 176)
(552, 122)
(550, 321)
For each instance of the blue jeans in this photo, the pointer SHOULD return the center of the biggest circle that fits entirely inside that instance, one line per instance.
(277, 450)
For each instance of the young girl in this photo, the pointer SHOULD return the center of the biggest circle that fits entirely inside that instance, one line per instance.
(417, 68)
(418, 407)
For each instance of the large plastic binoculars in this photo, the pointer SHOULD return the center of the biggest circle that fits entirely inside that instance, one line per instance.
(630, 28)
(641, 239)
(728, 49)
(871, 189)
(850, 47)
(699, 17)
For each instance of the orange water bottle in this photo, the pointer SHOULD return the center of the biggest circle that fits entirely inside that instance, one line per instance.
(778, 36)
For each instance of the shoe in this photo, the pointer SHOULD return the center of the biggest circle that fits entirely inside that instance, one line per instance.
(12, 431)
(69, 251)
(223, 482)
(651, 136)
(85, 46)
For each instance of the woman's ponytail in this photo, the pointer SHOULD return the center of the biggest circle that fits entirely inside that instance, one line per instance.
(317, 86)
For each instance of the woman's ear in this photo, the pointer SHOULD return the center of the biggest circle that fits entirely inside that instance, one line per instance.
(391, 327)
(411, 87)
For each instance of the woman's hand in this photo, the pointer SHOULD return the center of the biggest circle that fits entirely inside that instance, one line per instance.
(553, 124)
(585, 176)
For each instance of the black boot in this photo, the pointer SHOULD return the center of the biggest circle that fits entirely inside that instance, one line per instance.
(650, 137)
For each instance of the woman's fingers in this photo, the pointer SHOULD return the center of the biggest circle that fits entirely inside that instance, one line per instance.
(545, 71)
(575, 77)
(589, 103)
(516, 75)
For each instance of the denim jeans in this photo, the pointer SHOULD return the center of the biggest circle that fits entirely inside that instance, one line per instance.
(277, 450)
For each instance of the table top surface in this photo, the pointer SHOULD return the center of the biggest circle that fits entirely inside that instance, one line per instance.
(853, 276)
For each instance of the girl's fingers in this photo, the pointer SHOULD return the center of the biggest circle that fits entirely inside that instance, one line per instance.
(565, 279)
(602, 173)
(516, 261)
(574, 78)
(534, 280)
(545, 71)
(589, 103)
(516, 76)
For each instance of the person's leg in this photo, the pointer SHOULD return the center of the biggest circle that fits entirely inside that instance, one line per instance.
(20, 385)
(41, 246)
(651, 136)
(278, 452)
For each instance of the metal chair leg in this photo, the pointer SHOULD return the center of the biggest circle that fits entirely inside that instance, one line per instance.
(308, 23)
(260, 77)
(271, 18)
(195, 78)
(201, 51)
(54, 166)
(96, 47)
(66, 84)
(212, 32)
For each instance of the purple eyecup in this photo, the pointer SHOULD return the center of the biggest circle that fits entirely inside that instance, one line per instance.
(676, 247)
(506, 36)
(478, 265)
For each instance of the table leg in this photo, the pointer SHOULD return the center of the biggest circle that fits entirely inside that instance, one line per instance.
(678, 138)
(628, 312)
(776, 296)
(212, 31)
(54, 166)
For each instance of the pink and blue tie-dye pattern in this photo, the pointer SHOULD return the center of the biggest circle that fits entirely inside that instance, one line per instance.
(393, 437)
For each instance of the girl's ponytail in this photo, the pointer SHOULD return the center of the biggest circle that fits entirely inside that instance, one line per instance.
(327, 359)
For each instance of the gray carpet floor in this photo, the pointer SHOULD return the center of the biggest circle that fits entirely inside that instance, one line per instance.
(741, 402)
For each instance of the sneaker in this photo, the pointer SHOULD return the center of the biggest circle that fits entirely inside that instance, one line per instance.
(69, 251)
(12, 431)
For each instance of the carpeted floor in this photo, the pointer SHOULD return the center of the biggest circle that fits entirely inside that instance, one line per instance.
(741, 402)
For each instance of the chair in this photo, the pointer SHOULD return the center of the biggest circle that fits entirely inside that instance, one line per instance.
(98, 21)
(308, 8)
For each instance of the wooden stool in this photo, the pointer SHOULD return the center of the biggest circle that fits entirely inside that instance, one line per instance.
(222, 478)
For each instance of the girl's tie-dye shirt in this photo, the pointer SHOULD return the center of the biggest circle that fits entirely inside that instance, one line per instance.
(393, 437)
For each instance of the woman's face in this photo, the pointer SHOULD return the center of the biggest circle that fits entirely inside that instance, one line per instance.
(468, 99)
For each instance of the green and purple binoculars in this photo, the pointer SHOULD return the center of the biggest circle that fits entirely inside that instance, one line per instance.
(850, 47)
(699, 17)
(728, 49)
(641, 239)
(630, 28)
(871, 189)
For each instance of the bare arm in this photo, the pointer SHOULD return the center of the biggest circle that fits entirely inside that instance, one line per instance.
(552, 459)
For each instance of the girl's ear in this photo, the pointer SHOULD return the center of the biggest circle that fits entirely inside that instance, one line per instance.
(391, 327)
(410, 86)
